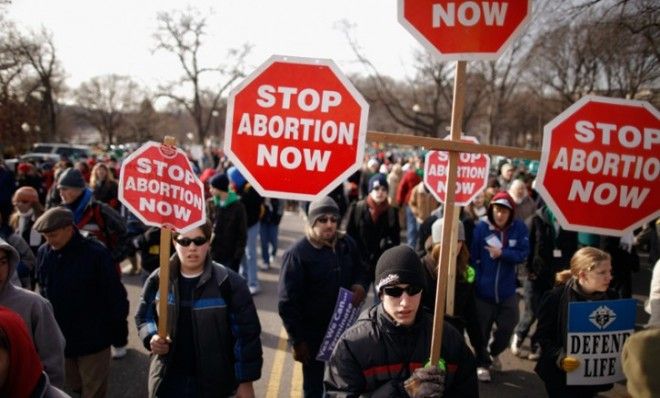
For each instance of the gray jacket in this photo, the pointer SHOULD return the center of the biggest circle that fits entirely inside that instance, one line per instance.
(37, 313)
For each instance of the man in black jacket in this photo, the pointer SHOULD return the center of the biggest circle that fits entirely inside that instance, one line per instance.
(313, 270)
(384, 352)
(78, 277)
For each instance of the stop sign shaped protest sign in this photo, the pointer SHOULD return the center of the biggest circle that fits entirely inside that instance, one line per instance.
(465, 29)
(296, 128)
(471, 176)
(158, 185)
(600, 165)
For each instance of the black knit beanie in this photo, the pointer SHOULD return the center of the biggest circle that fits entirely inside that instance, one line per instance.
(399, 264)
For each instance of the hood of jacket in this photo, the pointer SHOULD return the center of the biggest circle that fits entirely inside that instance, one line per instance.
(12, 255)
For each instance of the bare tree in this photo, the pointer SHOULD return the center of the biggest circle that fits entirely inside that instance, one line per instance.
(104, 100)
(181, 33)
(38, 51)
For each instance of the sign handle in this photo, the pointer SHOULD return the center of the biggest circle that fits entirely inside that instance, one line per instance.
(445, 249)
(163, 287)
(451, 282)
(164, 283)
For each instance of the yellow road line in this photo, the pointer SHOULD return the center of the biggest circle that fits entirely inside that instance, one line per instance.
(296, 381)
(278, 364)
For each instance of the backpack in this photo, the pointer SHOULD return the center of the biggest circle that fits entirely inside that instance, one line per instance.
(111, 229)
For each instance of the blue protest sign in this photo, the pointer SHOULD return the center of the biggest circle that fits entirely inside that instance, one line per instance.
(597, 331)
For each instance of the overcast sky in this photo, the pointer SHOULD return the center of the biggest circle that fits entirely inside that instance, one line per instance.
(101, 37)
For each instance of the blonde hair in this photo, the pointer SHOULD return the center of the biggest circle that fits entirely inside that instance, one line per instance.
(108, 174)
(585, 260)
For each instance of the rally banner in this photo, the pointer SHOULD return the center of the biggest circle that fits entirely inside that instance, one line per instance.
(343, 317)
(597, 331)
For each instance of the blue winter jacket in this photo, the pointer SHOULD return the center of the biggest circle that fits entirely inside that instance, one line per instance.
(496, 278)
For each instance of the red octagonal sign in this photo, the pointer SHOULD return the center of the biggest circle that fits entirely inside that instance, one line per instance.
(471, 175)
(465, 29)
(600, 165)
(158, 185)
(296, 128)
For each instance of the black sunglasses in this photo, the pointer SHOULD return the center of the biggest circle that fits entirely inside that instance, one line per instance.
(324, 220)
(396, 291)
(185, 242)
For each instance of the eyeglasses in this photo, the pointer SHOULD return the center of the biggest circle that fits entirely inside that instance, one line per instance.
(396, 291)
(185, 242)
(324, 220)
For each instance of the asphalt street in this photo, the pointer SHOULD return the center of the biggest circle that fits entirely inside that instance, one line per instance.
(282, 377)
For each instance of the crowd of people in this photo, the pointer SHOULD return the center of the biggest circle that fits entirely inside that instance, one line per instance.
(64, 234)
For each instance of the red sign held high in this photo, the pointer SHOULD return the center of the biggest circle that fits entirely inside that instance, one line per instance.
(471, 178)
(600, 164)
(158, 185)
(296, 128)
(465, 30)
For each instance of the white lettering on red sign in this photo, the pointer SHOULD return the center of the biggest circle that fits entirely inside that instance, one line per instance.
(469, 13)
(296, 129)
(165, 190)
(598, 163)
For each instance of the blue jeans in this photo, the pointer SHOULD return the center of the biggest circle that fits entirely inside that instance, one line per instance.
(412, 228)
(268, 235)
(249, 262)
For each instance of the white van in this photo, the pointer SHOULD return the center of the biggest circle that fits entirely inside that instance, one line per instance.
(71, 151)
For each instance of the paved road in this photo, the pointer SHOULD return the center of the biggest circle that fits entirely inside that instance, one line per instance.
(282, 377)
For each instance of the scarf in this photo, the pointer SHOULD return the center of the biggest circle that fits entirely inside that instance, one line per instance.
(78, 207)
(376, 209)
(231, 198)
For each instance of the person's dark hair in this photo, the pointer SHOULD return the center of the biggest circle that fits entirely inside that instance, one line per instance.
(206, 228)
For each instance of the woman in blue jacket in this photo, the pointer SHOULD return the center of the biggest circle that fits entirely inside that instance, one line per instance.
(498, 245)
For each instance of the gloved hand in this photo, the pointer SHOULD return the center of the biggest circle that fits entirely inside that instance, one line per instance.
(301, 352)
(569, 364)
(359, 294)
(427, 382)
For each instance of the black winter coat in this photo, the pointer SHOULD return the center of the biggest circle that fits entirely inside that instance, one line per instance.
(229, 233)
(374, 357)
(373, 239)
(543, 241)
(81, 282)
(309, 285)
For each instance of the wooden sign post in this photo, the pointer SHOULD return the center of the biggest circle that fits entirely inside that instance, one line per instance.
(161, 167)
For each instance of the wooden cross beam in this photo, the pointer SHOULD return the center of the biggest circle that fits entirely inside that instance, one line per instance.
(447, 264)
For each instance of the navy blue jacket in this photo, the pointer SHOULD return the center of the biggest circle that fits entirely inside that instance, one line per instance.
(225, 327)
(496, 278)
(89, 301)
(309, 285)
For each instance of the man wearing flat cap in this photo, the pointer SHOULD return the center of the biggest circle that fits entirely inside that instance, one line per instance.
(77, 275)
(100, 221)
(313, 270)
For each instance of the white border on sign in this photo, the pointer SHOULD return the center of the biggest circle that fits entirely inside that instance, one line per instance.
(428, 186)
(123, 201)
(361, 138)
(471, 56)
(543, 164)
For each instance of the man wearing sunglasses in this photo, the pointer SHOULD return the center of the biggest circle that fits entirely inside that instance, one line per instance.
(384, 353)
(213, 347)
(313, 270)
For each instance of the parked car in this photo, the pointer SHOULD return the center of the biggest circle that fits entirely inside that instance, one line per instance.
(71, 151)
